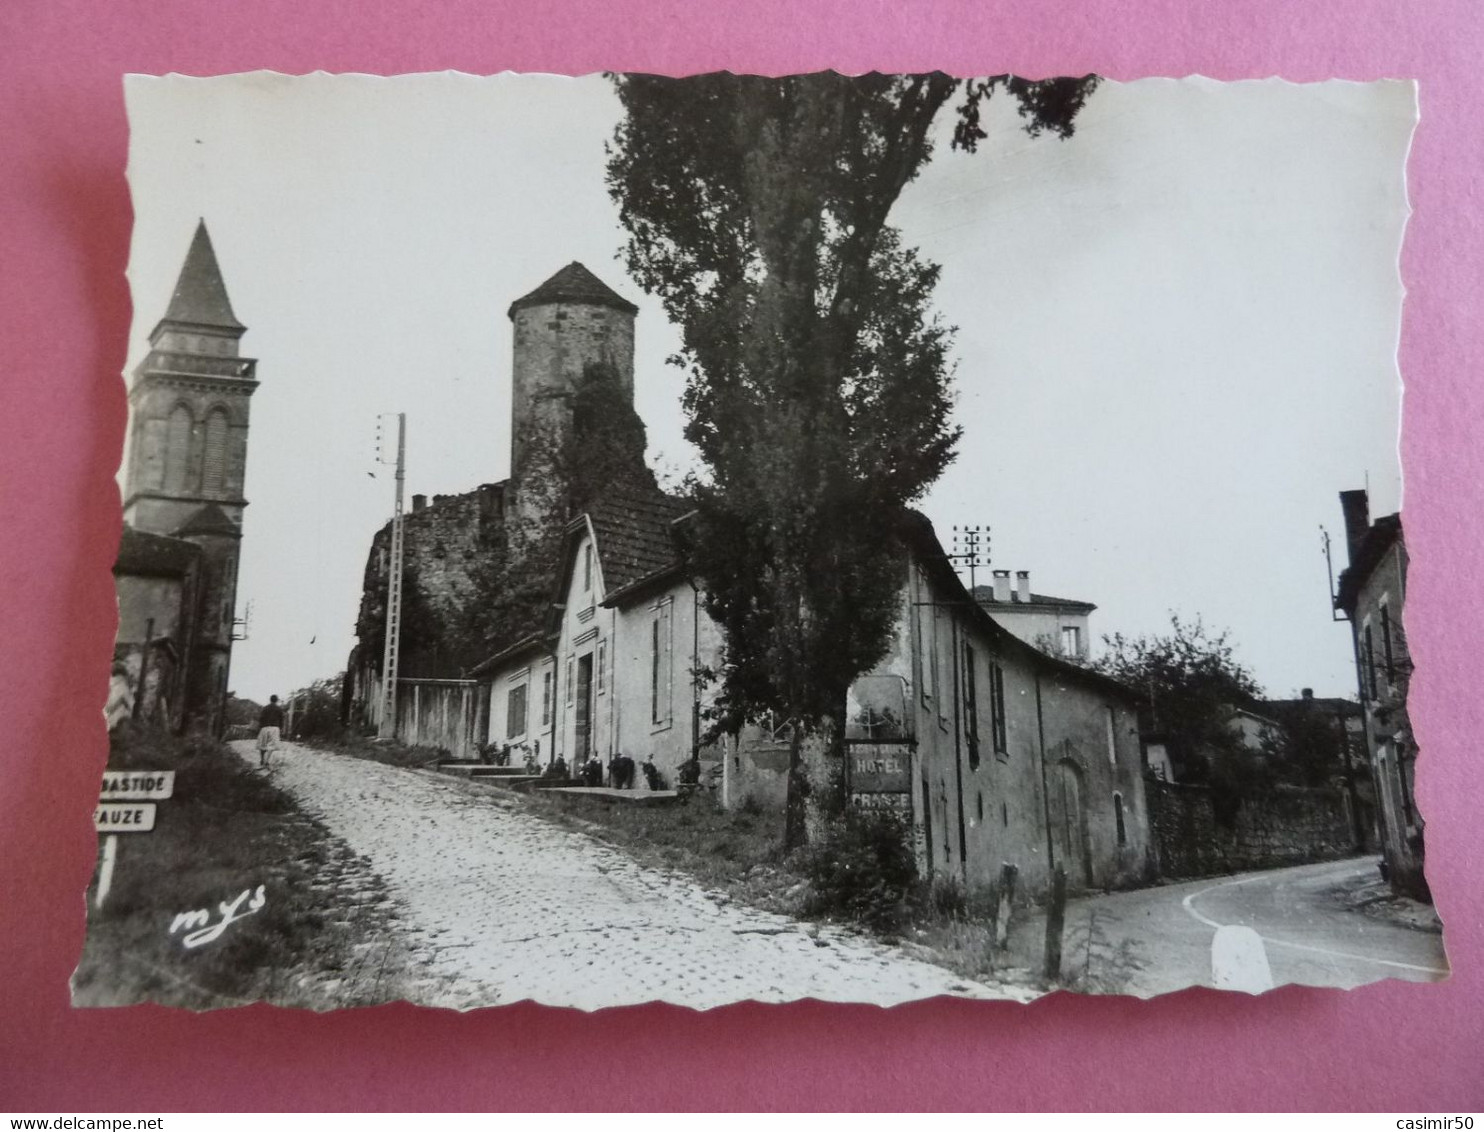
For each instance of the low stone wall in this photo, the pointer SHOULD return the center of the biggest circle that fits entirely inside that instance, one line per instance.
(1290, 826)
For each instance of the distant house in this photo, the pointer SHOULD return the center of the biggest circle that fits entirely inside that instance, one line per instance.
(1372, 595)
(1342, 719)
(1057, 625)
(1257, 732)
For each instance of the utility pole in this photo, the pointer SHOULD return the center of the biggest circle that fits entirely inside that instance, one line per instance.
(388, 728)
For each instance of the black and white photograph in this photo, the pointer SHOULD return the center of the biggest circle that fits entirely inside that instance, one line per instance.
(861, 538)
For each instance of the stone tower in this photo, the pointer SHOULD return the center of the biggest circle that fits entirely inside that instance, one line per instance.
(187, 459)
(563, 329)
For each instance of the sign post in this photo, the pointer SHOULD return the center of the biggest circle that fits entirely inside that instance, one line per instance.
(126, 804)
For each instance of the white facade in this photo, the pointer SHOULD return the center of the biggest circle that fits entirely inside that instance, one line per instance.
(614, 679)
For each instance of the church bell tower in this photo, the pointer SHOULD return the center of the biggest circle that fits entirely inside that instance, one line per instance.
(187, 460)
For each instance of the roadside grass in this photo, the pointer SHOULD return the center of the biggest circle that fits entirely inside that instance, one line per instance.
(358, 746)
(227, 829)
(738, 852)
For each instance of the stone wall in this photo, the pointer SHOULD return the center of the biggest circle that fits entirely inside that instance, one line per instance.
(1288, 826)
(456, 572)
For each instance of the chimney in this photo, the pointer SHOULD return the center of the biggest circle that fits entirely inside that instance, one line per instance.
(1002, 585)
(1023, 585)
(1357, 508)
(418, 503)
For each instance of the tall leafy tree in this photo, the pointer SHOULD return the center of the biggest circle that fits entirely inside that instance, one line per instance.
(1193, 683)
(818, 380)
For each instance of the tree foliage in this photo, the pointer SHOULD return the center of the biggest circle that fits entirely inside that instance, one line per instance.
(818, 387)
(1193, 683)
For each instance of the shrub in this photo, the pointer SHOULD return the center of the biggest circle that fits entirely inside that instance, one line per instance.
(863, 870)
(948, 898)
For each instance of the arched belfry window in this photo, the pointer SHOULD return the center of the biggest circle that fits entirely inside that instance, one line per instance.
(214, 465)
(178, 448)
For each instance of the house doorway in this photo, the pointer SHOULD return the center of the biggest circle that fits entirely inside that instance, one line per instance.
(583, 748)
(1074, 854)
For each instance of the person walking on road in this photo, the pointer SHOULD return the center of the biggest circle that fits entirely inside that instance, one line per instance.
(270, 721)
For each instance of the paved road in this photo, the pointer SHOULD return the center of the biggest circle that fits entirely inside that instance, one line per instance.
(500, 906)
(1158, 940)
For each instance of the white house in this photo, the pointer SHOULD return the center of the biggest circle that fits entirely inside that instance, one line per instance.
(612, 671)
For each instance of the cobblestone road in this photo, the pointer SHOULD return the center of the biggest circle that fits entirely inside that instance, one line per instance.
(499, 906)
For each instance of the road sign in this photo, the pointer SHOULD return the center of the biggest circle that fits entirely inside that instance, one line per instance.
(124, 817)
(126, 804)
(136, 785)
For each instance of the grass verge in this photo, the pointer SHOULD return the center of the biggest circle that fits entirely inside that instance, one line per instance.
(737, 852)
(323, 937)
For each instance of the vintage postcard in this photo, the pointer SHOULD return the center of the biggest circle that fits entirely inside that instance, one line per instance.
(610, 539)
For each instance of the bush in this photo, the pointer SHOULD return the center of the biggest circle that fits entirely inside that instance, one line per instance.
(864, 870)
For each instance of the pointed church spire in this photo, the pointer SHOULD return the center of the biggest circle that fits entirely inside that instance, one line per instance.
(200, 298)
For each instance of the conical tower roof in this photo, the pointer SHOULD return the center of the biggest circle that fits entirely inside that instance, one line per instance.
(574, 284)
(200, 297)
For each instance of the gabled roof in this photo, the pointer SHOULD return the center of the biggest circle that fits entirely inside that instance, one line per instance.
(634, 536)
(200, 297)
(635, 539)
(574, 284)
(210, 520)
(143, 554)
(985, 596)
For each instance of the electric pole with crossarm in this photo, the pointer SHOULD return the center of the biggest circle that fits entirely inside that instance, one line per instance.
(388, 728)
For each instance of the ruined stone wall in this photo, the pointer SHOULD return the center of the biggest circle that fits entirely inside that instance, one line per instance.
(1288, 826)
(456, 583)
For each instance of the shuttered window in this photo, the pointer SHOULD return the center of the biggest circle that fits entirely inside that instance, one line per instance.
(214, 464)
(178, 448)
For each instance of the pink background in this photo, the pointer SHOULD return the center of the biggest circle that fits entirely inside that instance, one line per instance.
(64, 318)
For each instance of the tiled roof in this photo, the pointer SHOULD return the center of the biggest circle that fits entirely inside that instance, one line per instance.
(151, 555)
(200, 295)
(634, 534)
(574, 284)
(984, 595)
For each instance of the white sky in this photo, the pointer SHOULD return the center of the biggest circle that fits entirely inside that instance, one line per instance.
(1176, 345)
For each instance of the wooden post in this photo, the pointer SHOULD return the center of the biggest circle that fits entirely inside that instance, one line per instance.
(1056, 917)
(1004, 901)
(105, 870)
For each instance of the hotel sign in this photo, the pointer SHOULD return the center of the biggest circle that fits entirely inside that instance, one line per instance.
(879, 774)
